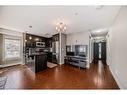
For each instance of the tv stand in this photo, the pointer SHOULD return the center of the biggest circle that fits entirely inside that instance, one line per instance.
(76, 61)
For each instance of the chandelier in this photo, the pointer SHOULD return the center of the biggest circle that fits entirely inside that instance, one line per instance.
(61, 27)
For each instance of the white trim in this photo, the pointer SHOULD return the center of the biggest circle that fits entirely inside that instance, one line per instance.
(11, 29)
(115, 77)
(60, 62)
(10, 32)
(12, 58)
(88, 66)
(13, 64)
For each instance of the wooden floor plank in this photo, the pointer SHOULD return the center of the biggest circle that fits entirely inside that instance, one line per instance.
(61, 77)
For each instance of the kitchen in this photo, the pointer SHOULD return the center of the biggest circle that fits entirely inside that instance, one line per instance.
(36, 36)
(35, 47)
(35, 51)
(48, 49)
(32, 43)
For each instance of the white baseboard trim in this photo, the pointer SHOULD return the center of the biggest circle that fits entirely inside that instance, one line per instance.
(61, 63)
(8, 65)
(88, 66)
(115, 77)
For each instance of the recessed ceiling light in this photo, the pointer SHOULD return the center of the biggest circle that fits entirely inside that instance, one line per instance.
(99, 7)
(100, 31)
(37, 39)
(30, 26)
(98, 37)
(26, 31)
(30, 37)
(76, 13)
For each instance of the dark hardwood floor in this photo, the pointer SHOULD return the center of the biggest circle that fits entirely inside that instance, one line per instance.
(61, 77)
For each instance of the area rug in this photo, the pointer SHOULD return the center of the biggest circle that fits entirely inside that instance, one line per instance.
(51, 65)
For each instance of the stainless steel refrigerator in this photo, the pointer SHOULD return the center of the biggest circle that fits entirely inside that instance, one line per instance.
(55, 52)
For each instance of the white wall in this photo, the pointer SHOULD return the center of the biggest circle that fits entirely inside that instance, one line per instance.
(79, 38)
(91, 50)
(117, 48)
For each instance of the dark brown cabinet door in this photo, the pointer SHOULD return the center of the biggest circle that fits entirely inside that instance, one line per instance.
(55, 37)
(40, 62)
(48, 42)
(34, 38)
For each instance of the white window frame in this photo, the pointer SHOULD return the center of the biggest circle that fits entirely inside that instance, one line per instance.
(12, 38)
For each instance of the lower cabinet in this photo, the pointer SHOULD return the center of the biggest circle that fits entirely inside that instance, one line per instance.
(40, 62)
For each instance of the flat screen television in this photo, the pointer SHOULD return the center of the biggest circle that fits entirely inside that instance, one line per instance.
(77, 50)
(81, 50)
(70, 53)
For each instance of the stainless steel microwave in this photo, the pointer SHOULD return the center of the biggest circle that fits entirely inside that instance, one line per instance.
(40, 44)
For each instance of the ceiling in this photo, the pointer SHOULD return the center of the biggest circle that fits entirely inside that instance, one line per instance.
(99, 33)
(43, 19)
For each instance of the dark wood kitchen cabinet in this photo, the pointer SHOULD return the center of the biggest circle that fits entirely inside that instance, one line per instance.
(32, 39)
(40, 62)
(49, 56)
(49, 42)
(55, 37)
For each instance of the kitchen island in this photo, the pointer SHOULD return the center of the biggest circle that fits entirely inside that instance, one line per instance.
(37, 62)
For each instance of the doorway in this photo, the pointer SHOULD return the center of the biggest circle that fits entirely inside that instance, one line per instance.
(100, 51)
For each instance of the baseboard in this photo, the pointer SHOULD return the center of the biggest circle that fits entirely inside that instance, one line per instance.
(115, 77)
(8, 65)
(88, 66)
(61, 63)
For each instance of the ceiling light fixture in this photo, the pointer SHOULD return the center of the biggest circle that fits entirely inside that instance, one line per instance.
(76, 13)
(37, 39)
(30, 37)
(30, 26)
(99, 7)
(61, 27)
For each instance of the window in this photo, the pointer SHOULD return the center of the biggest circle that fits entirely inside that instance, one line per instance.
(12, 48)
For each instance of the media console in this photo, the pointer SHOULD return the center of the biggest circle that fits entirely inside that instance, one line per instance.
(76, 61)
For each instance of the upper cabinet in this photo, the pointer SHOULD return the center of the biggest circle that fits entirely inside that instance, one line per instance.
(31, 40)
(55, 38)
(35, 41)
(49, 42)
